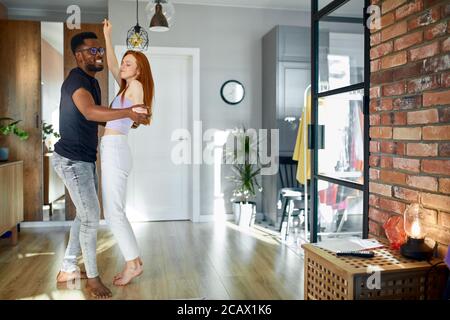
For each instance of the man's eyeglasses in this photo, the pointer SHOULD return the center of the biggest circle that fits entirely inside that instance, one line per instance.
(94, 50)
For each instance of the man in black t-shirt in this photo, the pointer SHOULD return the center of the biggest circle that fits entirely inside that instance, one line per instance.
(76, 153)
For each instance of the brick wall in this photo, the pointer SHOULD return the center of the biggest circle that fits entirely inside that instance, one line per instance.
(410, 115)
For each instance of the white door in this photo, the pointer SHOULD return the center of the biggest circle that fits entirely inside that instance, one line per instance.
(157, 188)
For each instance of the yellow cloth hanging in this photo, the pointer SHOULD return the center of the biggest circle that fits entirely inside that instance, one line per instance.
(301, 145)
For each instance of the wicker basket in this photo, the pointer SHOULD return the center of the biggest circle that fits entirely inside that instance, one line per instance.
(328, 277)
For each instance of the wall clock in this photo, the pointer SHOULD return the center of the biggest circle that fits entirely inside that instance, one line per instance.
(232, 92)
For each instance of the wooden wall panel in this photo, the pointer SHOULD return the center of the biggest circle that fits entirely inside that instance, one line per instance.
(102, 77)
(20, 98)
(3, 11)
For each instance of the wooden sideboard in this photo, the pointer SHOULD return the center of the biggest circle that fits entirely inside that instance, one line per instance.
(11, 197)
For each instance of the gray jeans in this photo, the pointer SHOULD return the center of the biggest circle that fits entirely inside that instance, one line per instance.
(81, 180)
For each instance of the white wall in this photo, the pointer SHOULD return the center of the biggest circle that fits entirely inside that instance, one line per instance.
(230, 45)
(52, 66)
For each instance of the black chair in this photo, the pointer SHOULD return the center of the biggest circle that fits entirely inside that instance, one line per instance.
(291, 191)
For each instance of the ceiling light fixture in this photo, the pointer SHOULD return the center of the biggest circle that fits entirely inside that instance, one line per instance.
(161, 14)
(137, 37)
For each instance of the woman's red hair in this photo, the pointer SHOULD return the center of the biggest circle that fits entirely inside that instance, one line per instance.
(145, 77)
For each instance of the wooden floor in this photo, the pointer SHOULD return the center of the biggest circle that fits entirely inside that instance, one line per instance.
(182, 260)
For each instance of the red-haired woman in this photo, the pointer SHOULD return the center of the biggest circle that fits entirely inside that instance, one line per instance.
(136, 87)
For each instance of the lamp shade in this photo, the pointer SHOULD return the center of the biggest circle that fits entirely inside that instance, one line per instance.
(161, 14)
(137, 37)
(413, 218)
(415, 247)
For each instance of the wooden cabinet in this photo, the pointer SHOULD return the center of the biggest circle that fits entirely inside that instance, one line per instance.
(11, 197)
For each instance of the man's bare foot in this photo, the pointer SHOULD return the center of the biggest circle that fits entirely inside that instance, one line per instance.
(130, 272)
(69, 276)
(97, 289)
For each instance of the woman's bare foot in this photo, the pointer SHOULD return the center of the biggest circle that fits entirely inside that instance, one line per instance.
(131, 264)
(97, 289)
(132, 269)
(69, 276)
(118, 276)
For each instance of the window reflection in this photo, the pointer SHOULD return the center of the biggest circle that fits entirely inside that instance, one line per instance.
(323, 3)
(341, 62)
(341, 47)
(343, 153)
(340, 211)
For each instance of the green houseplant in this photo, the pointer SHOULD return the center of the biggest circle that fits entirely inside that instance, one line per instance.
(9, 126)
(246, 170)
(48, 136)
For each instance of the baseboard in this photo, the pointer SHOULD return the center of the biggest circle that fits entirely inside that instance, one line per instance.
(50, 224)
(47, 224)
(229, 217)
(213, 218)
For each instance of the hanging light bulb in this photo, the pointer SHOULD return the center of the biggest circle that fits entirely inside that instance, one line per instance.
(137, 37)
(161, 14)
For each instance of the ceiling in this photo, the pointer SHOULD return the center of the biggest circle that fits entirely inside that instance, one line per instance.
(96, 5)
(302, 5)
(100, 7)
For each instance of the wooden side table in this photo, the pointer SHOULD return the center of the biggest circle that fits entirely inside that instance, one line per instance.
(388, 275)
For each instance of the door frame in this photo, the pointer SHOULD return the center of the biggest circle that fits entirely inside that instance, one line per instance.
(317, 16)
(194, 114)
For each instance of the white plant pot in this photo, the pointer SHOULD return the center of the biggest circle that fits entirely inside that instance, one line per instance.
(244, 214)
(236, 212)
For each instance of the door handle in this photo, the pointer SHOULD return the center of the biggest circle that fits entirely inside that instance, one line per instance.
(320, 137)
(310, 136)
(37, 120)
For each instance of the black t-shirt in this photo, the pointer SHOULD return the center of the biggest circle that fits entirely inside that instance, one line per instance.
(79, 138)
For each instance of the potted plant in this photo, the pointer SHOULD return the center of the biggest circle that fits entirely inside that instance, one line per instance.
(9, 126)
(246, 171)
(48, 136)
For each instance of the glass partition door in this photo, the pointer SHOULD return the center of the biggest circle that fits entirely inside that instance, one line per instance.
(339, 120)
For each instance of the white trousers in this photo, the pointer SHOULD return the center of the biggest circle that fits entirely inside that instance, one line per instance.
(116, 166)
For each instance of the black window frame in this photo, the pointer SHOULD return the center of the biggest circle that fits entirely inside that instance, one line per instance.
(316, 17)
